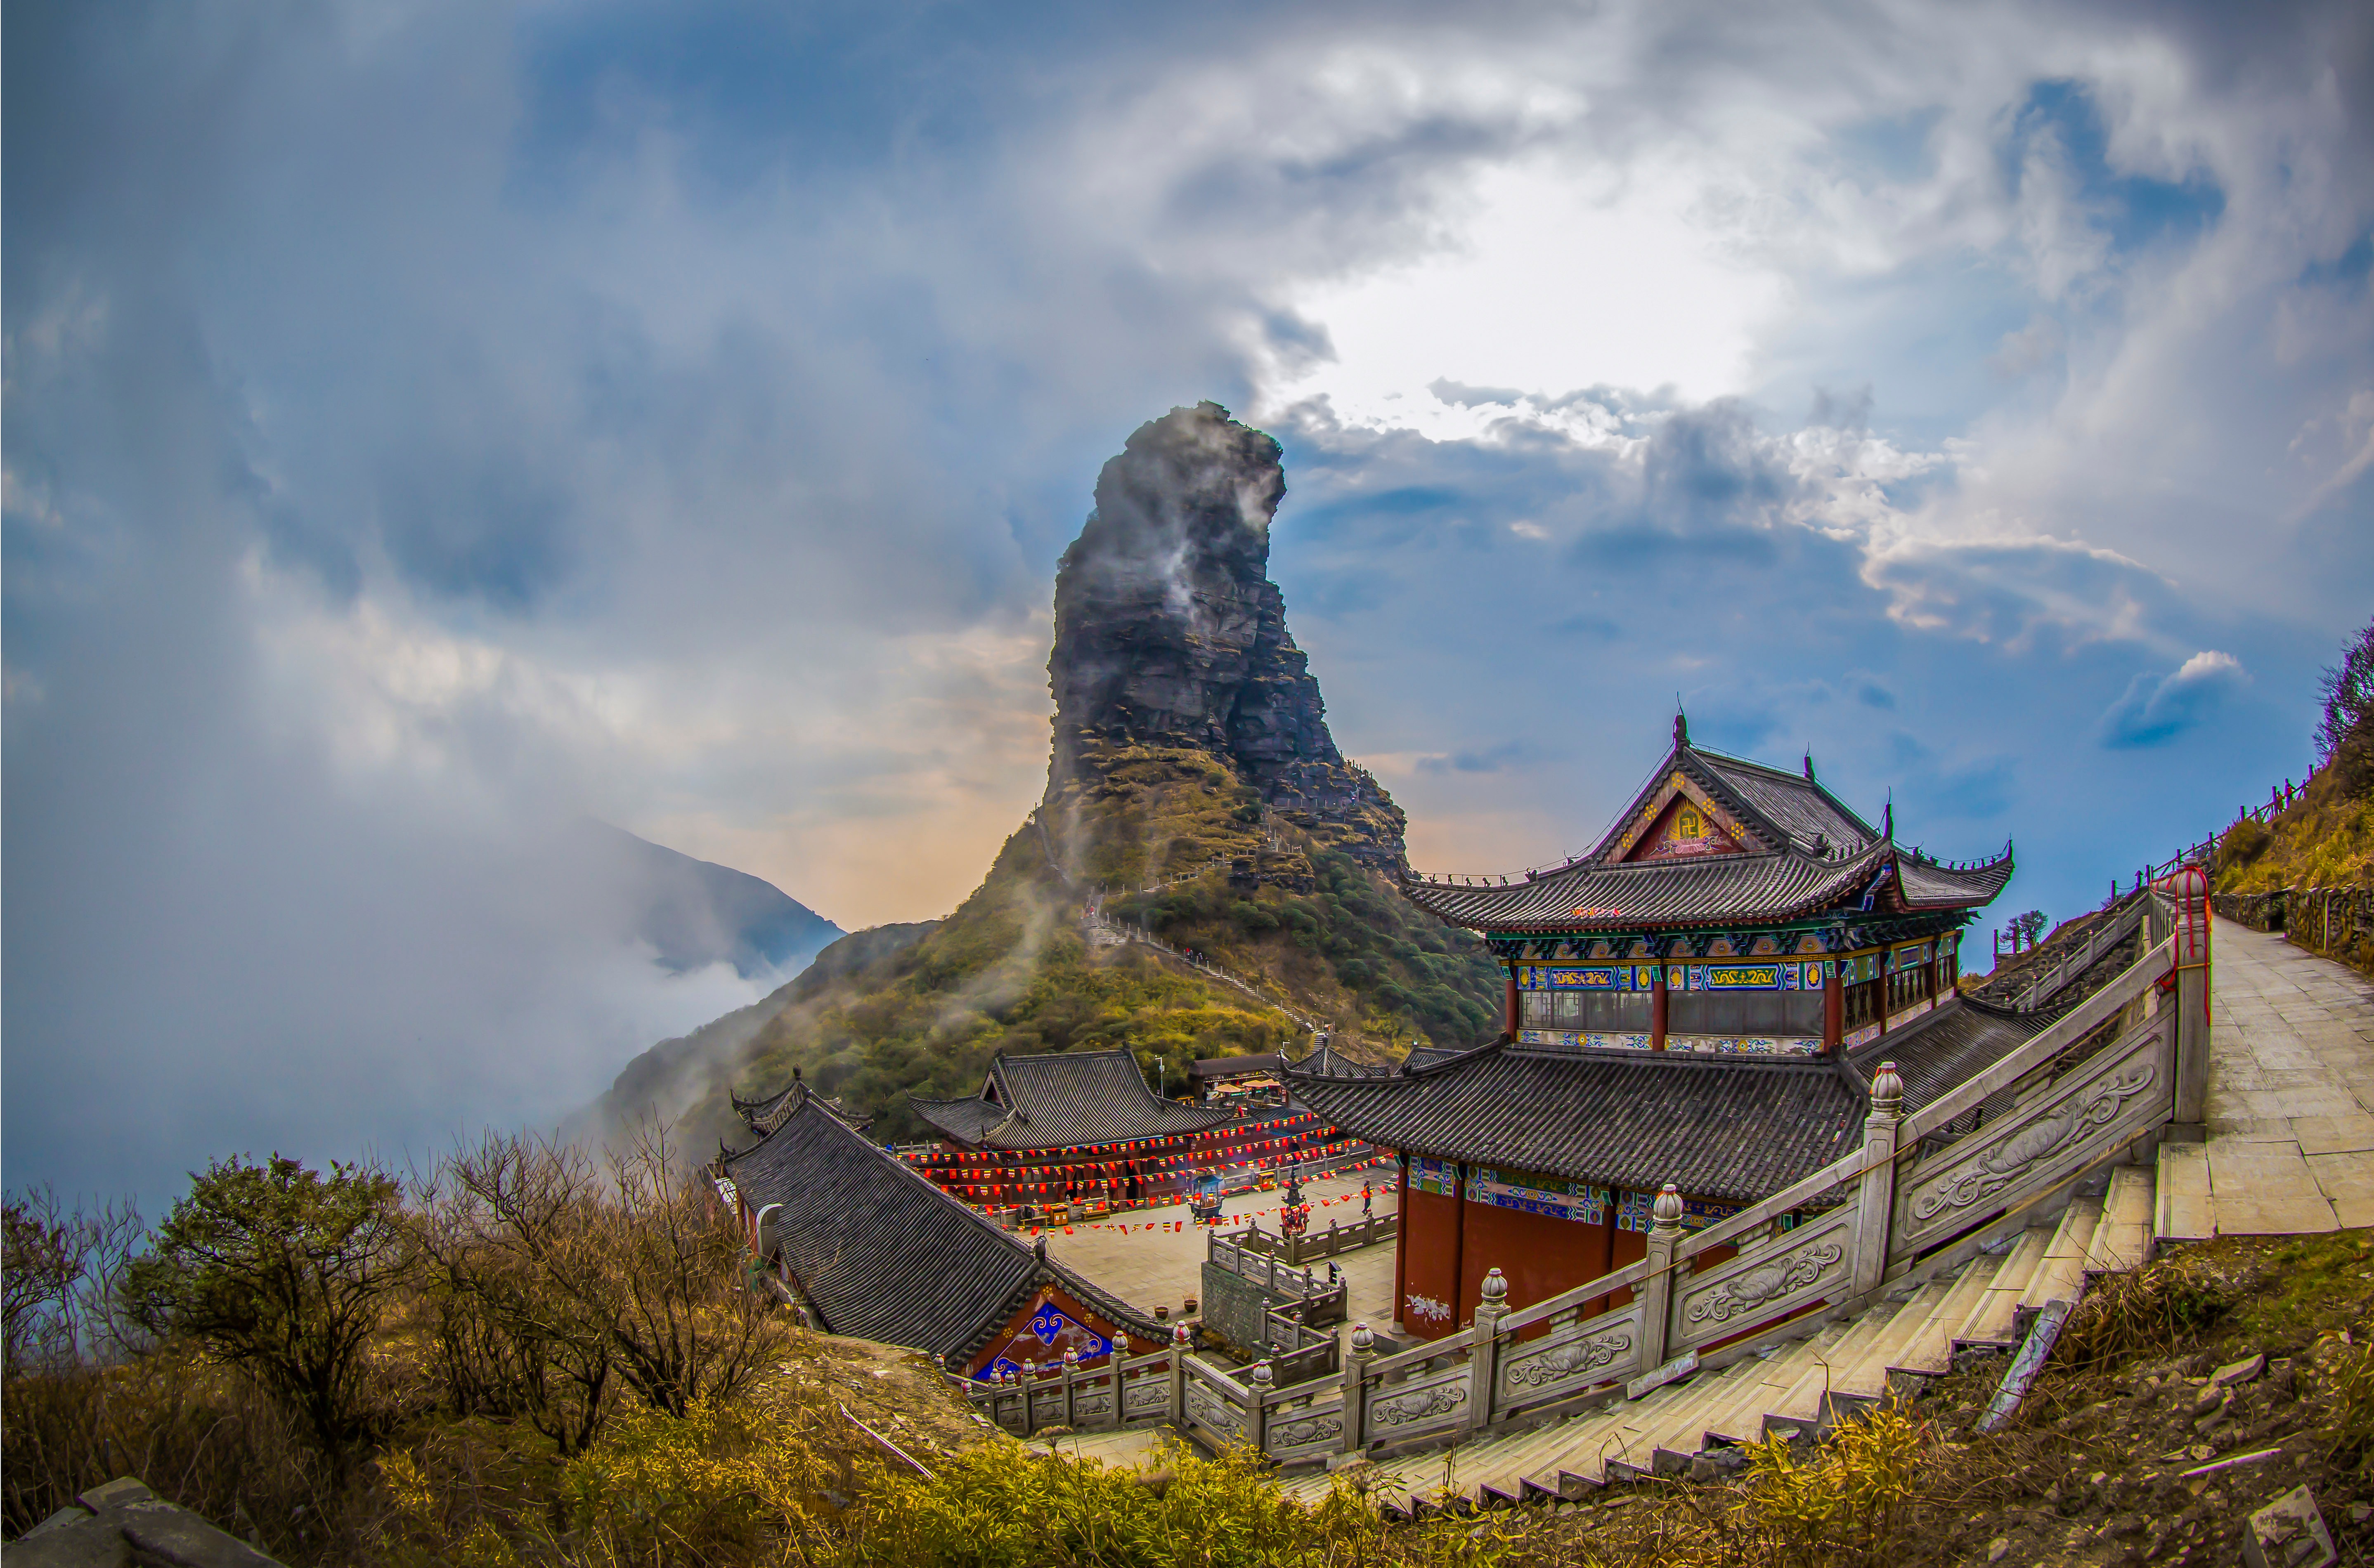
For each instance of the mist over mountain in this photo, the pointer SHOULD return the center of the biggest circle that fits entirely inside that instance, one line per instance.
(695, 913)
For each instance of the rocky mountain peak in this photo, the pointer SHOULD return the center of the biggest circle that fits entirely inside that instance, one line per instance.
(1170, 633)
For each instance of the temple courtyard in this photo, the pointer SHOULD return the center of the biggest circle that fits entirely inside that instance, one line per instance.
(1163, 1267)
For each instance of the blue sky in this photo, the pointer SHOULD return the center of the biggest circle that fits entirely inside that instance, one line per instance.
(427, 423)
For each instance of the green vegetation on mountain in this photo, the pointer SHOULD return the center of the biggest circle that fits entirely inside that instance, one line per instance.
(1012, 969)
(2326, 837)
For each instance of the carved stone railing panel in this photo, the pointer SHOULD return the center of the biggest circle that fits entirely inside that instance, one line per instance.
(1790, 1271)
(1305, 1429)
(1147, 1395)
(1573, 1357)
(1215, 1403)
(1417, 1405)
(2043, 1141)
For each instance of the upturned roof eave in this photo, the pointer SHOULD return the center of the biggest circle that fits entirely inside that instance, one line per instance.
(1844, 873)
(1843, 882)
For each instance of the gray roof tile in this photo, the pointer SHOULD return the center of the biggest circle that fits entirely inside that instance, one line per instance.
(1785, 878)
(1059, 1100)
(1720, 1129)
(882, 1252)
(1946, 1048)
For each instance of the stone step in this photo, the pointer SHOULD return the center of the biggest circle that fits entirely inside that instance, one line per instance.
(2123, 1238)
(2062, 1275)
(1624, 1438)
(1930, 1351)
(1991, 1324)
(1802, 1404)
(1646, 1423)
(1742, 1418)
(1511, 1467)
(2185, 1208)
(1866, 1378)
(1683, 1429)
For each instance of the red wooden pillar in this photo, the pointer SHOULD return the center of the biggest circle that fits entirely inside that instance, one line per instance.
(1833, 1006)
(1511, 1025)
(1657, 1009)
(1400, 1240)
(1458, 1239)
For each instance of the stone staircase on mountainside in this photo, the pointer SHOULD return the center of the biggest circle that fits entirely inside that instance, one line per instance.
(1889, 1350)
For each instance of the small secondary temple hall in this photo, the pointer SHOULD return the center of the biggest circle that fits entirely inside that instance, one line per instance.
(1063, 1127)
(1701, 999)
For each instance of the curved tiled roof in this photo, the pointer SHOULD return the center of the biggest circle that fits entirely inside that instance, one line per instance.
(763, 1116)
(1814, 855)
(1927, 886)
(1797, 806)
(881, 1252)
(1061, 1099)
(1727, 1129)
(1656, 892)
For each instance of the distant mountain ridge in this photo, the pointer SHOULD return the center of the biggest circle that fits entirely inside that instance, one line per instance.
(696, 913)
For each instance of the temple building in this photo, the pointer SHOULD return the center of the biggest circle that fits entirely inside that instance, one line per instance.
(1734, 908)
(1701, 999)
(866, 1246)
(1071, 1126)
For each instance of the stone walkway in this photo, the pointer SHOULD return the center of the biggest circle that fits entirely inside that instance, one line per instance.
(2291, 1093)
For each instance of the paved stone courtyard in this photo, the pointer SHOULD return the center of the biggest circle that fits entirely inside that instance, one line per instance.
(1151, 1268)
(2291, 1089)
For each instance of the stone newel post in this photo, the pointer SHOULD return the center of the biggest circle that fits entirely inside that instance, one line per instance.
(1656, 1294)
(1484, 1360)
(1355, 1389)
(1179, 1375)
(2188, 892)
(1876, 1197)
(1258, 1388)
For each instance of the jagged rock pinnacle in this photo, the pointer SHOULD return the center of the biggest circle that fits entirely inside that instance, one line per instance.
(1169, 631)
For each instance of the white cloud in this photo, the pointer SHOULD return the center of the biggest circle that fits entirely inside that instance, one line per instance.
(1561, 278)
(2153, 712)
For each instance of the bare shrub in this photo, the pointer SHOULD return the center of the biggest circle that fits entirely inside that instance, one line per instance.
(61, 1273)
(2344, 739)
(562, 1281)
(2139, 1312)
